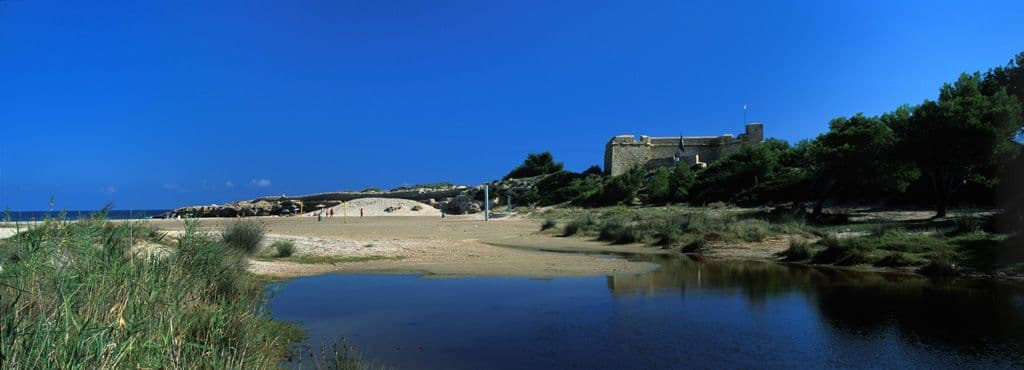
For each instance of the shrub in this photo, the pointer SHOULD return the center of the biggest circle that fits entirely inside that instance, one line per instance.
(659, 190)
(941, 262)
(696, 246)
(610, 231)
(283, 248)
(666, 238)
(549, 223)
(244, 236)
(582, 223)
(618, 232)
(534, 165)
(571, 228)
(197, 305)
(842, 252)
(798, 250)
(751, 231)
(895, 259)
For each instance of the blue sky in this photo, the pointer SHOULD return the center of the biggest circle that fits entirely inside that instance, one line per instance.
(162, 104)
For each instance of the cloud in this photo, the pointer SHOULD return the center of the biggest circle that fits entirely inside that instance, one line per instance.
(109, 189)
(229, 184)
(260, 183)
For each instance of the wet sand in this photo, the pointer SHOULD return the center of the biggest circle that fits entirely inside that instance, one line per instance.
(453, 246)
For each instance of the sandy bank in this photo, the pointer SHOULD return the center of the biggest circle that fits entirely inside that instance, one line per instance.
(454, 246)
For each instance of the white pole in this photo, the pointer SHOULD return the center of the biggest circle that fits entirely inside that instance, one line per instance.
(487, 203)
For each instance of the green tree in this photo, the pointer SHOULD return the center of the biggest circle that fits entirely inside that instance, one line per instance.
(749, 166)
(680, 181)
(855, 158)
(619, 189)
(659, 190)
(535, 164)
(952, 139)
(1009, 77)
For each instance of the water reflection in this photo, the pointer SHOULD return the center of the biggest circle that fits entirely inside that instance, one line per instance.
(975, 317)
(687, 313)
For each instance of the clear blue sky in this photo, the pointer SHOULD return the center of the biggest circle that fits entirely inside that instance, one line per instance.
(160, 104)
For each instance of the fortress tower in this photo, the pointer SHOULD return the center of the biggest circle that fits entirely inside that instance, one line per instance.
(626, 151)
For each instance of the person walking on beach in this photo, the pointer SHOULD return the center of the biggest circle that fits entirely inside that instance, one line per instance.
(360, 213)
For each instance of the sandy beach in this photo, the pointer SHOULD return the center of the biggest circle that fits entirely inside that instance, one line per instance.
(453, 246)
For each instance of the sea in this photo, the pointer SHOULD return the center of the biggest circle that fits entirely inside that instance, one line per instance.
(129, 214)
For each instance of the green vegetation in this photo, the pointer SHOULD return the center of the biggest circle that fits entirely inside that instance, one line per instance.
(961, 149)
(932, 247)
(535, 164)
(283, 248)
(76, 294)
(674, 226)
(244, 236)
(798, 250)
(549, 223)
(430, 185)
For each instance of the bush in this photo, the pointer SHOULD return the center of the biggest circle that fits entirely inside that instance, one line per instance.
(696, 246)
(283, 248)
(750, 231)
(583, 223)
(941, 262)
(798, 250)
(85, 306)
(244, 236)
(535, 164)
(618, 232)
(842, 252)
(549, 223)
(895, 259)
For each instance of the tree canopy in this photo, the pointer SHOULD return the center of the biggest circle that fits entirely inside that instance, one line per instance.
(536, 164)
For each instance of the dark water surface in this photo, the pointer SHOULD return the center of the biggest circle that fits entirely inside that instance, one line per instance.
(685, 314)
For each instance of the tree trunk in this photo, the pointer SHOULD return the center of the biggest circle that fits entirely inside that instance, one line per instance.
(940, 208)
(822, 197)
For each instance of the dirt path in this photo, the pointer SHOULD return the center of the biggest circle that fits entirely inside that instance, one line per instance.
(454, 246)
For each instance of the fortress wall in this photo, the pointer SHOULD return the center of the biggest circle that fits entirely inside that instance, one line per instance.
(626, 156)
(623, 152)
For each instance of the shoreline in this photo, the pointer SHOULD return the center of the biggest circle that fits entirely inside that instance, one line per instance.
(467, 246)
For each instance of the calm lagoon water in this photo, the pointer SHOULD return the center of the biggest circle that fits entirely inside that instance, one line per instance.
(686, 314)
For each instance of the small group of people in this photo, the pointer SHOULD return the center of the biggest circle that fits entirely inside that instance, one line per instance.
(328, 213)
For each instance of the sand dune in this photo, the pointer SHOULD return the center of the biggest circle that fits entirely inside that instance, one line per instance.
(373, 207)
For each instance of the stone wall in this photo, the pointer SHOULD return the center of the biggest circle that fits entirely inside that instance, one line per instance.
(624, 152)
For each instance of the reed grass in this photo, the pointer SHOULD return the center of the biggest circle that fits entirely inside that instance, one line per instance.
(73, 295)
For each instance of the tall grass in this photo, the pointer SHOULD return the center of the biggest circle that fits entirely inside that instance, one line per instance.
(798, 250)
(245, 236)
(283, 248)
(73, 295)
(549, 223)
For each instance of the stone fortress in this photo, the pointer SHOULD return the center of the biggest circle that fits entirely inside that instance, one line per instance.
(623, 152)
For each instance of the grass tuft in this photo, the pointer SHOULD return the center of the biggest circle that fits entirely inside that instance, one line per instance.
(283, 248)
(74, 296)
(549, 223)
(244, 236)
(798, 250)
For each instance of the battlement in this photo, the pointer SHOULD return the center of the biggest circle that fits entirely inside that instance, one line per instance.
(626, 151)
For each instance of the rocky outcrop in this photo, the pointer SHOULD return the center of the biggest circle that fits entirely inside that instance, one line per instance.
(451, 200)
